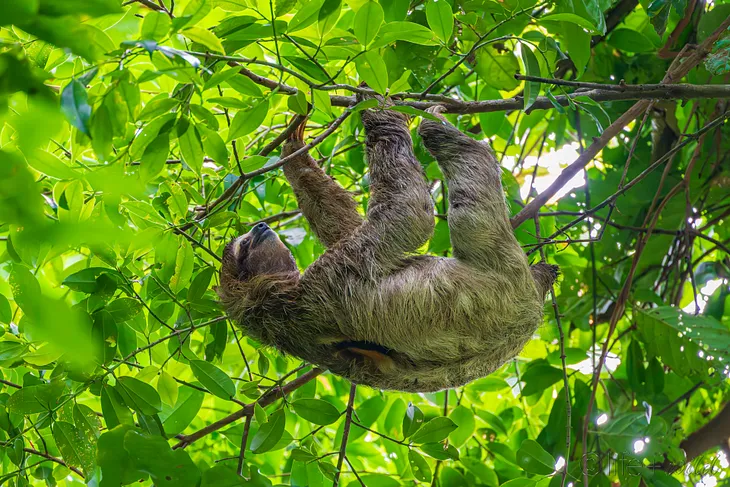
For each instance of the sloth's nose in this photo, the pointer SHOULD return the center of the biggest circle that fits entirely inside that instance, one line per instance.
(259, 228)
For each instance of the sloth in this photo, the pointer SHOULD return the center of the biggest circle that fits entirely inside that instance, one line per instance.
(370, 308)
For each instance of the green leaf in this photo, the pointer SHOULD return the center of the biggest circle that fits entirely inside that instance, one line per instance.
(481, 471)
(573, 19)
(155, 157)
(155, 26)
(124, 309)
(367, 22)
(200, 284)
(658, 11)
(213, 379)
(327, 16)
(259, 413)
(36, 399)
(629, 40)
(404, 31)
(74, 447)
(92, 8)
(245, 86)
(101, 132)
(305, 16)
(269, 433)
(440, 451)
(183, 267)
(149, 133)
(532, 68)
(372, 69)
(298, 103)
(221, 77)
(191, 148)
(6, 313)
(75, 106)
(167, 468)
(113, 409)
(419, 466)
(435, 430)
(316, 411)
(114, 461)
(105, 335)
(412, 420)
(51, 165)
(464, 419)
(283, 7)
(87, 422)
(176, 418)
(157, 106)
(534, 459)
(204, 37)
(222, 476)
(11, 350)
(635, 371)
(677, 337)
(498, 69)
(539, 377)
(246, 121)
(167, 388)
(520, 482)
(139, 395)
(440, 18)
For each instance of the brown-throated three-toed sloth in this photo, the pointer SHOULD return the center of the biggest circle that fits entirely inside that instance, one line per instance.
(370, 310)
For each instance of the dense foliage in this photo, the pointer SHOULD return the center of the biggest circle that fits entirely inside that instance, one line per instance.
(138, 139)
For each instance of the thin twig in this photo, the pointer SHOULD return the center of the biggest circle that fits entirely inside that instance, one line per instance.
(345, 434)
(244, 439)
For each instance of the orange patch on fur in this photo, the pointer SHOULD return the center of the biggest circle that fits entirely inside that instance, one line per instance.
(381, 361)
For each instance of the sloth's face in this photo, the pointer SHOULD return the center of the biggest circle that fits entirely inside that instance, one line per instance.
(259, 252)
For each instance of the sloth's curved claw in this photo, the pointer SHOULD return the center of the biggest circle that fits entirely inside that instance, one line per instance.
(298, 133)
(437, 110)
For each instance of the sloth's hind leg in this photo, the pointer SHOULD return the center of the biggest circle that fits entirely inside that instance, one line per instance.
(481, 234)
(400, 212)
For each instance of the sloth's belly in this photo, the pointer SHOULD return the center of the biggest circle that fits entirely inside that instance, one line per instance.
(435, 323)
(438, 307)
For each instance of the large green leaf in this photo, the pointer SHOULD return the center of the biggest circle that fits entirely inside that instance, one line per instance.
(139, 395)
(75, 105)
(316, 411)
(434, 430)
(367, 22)
(686, 343)
(440, 18)
(213, 378)
(269, 433)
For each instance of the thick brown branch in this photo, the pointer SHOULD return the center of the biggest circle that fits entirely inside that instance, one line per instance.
(600, 94)
(715, 433)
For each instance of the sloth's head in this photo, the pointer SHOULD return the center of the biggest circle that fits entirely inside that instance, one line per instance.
(258, 253)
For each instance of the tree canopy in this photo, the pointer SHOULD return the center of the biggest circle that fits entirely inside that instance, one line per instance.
(138, 138)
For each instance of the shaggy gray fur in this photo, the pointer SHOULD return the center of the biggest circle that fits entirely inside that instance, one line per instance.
(368, 309)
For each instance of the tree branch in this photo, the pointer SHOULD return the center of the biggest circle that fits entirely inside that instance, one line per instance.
(268, 398)
(675, 73)
(55, 460)
(345, 434)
